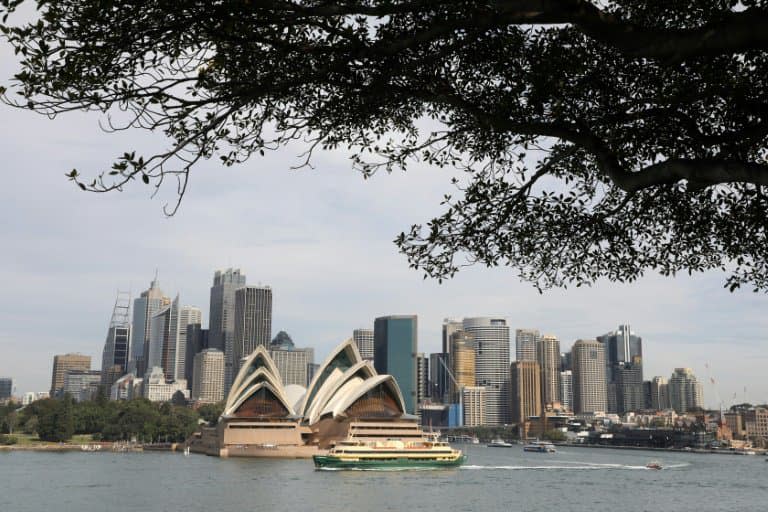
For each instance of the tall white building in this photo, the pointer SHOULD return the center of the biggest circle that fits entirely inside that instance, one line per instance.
(208, 381)
(450, 326)
(685, 390)
(491, 336)
(526, 343)
(221, 332)
(590, 392)
(151, 302)
(188, 315)
(566, 390)
(473, 401)
(364, 341)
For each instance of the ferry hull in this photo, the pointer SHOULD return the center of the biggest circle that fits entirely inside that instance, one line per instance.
(334, 462)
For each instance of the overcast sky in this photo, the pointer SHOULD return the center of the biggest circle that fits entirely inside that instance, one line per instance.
(322, 239)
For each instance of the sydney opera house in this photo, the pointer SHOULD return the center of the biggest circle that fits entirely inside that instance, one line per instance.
(264, 418)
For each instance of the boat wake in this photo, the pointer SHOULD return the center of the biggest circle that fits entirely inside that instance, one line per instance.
(573, 467)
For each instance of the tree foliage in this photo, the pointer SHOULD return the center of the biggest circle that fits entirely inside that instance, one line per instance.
(600, 139)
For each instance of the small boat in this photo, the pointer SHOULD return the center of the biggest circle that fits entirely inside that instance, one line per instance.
(186, 451)
(499, 443)
(390, 454)
(653, 465)
(539, 447)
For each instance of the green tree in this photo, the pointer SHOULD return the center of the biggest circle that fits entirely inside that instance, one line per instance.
(211, 412)
(600, 139)
(55, 421)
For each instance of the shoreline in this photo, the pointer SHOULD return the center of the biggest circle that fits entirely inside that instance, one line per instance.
(701, 451)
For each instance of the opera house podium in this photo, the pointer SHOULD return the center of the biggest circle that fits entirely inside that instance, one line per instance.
(264, 418)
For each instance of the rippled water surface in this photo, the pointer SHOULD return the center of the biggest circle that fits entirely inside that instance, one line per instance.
(494, 479)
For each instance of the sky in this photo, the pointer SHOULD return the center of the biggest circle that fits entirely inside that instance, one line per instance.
(322, 239)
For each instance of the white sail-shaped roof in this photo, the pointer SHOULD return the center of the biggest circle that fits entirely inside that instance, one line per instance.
(338, 384)
(338, 407)
(259, 358)
(335, 365)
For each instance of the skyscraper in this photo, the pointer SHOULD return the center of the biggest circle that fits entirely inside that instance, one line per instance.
(566, 390)
(439, 380)
(589, 384)
(450, 326)
(395, 344)
(114, 358)
(292, 363)
(63, 363)
(526, 343)
(188, 315)
(463, 362)
(253, 322)
(208, 383)
(168, 339)
(364, 342)
(685, 390)
(624, 369)
(422, 378)
(549, 362)
(525, 390)
(659, 393)
(221, 332)
(149, 303)
(197, 341)
(491, 338)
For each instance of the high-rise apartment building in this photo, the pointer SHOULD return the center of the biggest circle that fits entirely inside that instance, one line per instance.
(208, 383)
(62, 364)
(221, 331)
(566, 390)
(253, 322)
(364, 341)
(659, 393)
(548, 356)
(526, 344)
(589, 384)
(463, 361)
(395, 345)
(525, 390)
(685, 390)
(491, 338)
(149, 303)
(473, 401)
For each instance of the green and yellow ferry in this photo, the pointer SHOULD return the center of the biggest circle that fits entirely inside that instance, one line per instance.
(390, 454)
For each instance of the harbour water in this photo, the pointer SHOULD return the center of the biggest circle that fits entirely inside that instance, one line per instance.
(494, 479)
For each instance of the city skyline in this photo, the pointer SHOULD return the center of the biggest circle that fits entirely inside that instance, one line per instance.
(322, 238)
(705, 375)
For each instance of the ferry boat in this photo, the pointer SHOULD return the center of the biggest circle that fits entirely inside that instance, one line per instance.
(390, 454)
(499, 443)
(539, 447)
